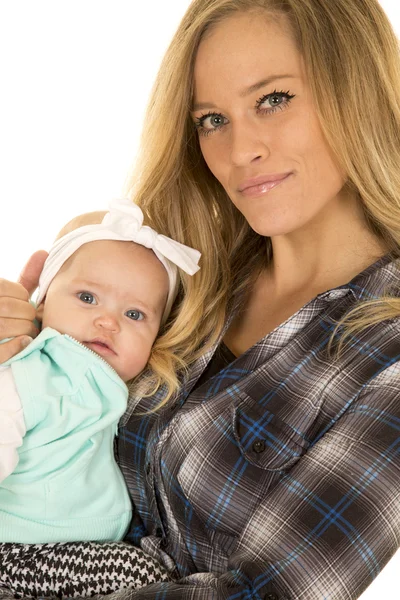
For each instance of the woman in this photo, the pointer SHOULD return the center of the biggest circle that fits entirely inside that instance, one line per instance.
(274, 473)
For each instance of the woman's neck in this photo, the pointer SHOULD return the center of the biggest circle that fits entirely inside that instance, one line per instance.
(329, 252)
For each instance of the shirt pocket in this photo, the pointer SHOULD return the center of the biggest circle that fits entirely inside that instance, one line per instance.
(242, 454)
(265, 439)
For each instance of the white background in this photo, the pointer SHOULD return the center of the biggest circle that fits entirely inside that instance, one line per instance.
(75, 78)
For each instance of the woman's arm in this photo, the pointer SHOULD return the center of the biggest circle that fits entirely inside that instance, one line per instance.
(331, 525)
(16, 313)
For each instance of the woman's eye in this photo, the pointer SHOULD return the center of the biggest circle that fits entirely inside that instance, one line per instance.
(211, 122)
(87, 297)
(135, 315)
(271, 102)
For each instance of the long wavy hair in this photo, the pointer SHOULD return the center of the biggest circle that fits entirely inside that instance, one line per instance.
(351, 55)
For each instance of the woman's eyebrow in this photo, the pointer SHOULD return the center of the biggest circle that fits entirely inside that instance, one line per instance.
(256, 86)
(248, 90)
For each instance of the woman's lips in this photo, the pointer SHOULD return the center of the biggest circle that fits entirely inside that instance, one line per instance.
(258, 189)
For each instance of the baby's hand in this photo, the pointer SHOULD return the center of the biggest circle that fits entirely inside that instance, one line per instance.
(16, 312)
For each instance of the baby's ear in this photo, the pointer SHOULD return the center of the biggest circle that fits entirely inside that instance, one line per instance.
(39, 311)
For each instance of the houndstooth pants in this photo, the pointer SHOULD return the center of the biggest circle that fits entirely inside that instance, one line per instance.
(78, 569)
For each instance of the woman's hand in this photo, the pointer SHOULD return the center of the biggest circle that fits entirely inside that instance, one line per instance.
(16, 313)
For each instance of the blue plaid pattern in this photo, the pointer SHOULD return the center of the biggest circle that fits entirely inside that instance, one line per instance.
(280, 474)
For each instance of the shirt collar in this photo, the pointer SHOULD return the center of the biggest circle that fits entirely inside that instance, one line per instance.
(382, 276)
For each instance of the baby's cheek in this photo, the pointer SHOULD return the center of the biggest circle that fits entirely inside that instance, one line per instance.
(134, 363)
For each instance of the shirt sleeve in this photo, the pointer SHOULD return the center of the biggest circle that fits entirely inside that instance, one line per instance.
(12, 423)
(329, 526)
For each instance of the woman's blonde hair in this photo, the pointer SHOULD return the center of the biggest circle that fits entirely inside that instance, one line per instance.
(352, 59)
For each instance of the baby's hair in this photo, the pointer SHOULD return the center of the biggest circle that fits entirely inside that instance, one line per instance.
(90, 218)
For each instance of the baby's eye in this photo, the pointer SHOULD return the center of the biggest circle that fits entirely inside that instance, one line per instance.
(135, 315)
(87, 297)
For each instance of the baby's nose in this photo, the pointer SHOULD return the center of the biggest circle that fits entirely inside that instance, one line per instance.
(107, 321)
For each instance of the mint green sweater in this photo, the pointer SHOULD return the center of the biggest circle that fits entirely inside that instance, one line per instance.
(67, 485)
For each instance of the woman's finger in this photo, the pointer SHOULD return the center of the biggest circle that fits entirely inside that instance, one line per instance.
(14, 308)
(10, 289)
(9, 349)
(29, 277)
(16, 327)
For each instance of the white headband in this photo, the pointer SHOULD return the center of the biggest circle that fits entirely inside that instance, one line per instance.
(123, 222)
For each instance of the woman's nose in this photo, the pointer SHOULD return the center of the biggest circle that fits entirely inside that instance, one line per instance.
(247, 144)
(108, 322)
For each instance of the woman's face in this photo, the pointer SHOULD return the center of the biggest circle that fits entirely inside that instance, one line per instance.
(258, 129)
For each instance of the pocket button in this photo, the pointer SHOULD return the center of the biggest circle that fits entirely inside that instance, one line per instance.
(258, 447)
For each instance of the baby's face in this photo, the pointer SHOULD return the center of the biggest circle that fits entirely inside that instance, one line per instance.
(110, 296)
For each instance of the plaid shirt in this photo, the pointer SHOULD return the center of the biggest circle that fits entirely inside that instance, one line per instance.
(278, 478)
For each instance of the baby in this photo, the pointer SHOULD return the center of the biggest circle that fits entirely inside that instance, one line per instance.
(103, 294)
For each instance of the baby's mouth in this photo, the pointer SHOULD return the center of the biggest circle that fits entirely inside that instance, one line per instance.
(100, 347)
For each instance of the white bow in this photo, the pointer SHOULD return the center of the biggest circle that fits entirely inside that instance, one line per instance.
(123, 222)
